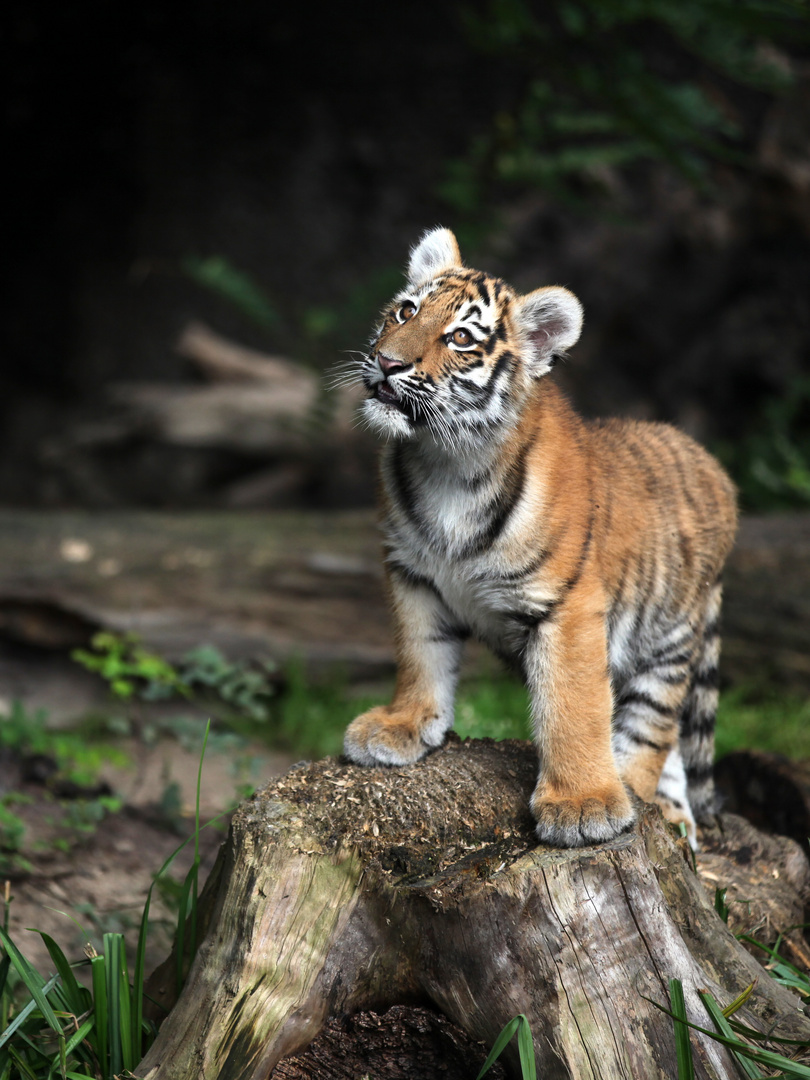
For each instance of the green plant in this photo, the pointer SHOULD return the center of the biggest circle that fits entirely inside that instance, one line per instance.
(236, 286)
(76, 759)
(12, 830)
(128, 668)
(720, 905)
(520, 1025)
(237, 693)
(771, 463)
(780, 969)
(245, 688)
(596, 84)
(64, 1029)
(763, 717)
(739, 1038)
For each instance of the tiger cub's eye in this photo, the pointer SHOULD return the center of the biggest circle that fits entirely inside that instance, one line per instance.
(407, 311)
(461, 337)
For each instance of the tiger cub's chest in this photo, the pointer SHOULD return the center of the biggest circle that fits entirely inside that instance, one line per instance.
(461, 540)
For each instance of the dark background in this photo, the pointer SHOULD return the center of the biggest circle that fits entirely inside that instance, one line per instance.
(309, 149)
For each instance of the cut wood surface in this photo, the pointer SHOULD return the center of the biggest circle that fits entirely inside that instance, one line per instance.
(343, 889)
(311, 584)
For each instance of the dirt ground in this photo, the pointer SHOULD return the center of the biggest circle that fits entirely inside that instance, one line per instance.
(101, 881)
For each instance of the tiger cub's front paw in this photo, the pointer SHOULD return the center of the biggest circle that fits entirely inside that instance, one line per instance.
(579, 821)
(388, 736)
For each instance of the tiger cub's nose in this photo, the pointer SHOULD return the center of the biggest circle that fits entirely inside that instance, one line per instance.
(389, 366)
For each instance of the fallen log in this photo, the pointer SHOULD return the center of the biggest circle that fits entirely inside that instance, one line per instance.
(309, 584)
(342, 889)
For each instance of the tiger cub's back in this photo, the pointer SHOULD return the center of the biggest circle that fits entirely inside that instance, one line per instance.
(667, 520)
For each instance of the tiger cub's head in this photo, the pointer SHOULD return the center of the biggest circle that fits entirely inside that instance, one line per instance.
(458, 350)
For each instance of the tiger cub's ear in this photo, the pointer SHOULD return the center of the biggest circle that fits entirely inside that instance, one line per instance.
(551, 321)
(435, 252)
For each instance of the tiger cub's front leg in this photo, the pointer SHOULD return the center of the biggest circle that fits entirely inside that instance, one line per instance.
(579, 798)
(428, 647)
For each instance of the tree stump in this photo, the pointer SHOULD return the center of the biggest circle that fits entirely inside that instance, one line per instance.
(342, 888)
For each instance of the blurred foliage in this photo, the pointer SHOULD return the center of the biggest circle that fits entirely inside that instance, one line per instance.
(764, 717)
(203, 673)
(771, 465)
(69, 759)
(236, 286)
(601, 83)
(75, 758)
(128, 668)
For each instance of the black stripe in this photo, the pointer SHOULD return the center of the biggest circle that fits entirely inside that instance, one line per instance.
(447, 633)
(471, 367)
(697, 724)
(679, 470)
(672, 680)
(477, 480)
(707, 680)
(636, 697)
(410, 577)
(531, 567)
(661, 660)
(699, 774)
(481, 395)
(639, 740)
(405, 486)
(530, 619)
(639, 453)
(501, 507)
(483, 291)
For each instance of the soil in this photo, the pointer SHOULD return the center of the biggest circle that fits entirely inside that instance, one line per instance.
(75, 884)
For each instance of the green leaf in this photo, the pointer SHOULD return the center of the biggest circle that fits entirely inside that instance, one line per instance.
(720, 905)
(683, 1045)
(721, 1023)
(98, 973)
(222, 277)
(76, 996)
(526, 1050)
(33, 981)
(499, 1044)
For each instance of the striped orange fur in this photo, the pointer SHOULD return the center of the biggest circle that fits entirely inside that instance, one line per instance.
(587, 555)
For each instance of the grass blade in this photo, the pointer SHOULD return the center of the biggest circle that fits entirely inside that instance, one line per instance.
(125, 1006)
(98, 972)
(79, 1035)
(721, 1023)
(22, 1065)
(188, 896)
(739, 1001)
(76, 997)
(138, 978)
(526, 1050)
(683, 1046)
(112, 945)
(497, 1048)
(792, 1069)
(33, 981)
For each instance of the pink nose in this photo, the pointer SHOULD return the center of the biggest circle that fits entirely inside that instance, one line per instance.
(388, 366)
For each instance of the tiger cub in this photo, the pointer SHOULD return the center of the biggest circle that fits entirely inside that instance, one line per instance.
(587, 555)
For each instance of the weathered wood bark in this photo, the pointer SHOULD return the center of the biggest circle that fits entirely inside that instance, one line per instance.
(342, 888)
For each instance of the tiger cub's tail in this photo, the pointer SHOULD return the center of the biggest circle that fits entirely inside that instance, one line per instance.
(699, 711)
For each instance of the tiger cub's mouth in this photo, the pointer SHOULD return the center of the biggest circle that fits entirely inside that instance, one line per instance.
(385, 393)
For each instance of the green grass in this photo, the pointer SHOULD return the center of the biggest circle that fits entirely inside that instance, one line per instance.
(757, 718)
(310, 719)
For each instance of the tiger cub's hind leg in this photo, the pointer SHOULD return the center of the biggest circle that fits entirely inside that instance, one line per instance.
(646, 726)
